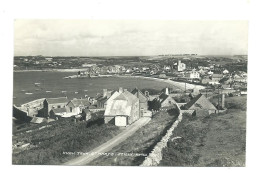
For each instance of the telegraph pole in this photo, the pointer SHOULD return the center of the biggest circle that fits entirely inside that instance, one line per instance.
(185, 87)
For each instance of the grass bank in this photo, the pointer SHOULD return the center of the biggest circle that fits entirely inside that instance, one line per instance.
(216, 140)
(142, 142)
(47, 146)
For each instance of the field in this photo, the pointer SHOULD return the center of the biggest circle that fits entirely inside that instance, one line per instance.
(47, 143)
(142, 142)
(216, 140)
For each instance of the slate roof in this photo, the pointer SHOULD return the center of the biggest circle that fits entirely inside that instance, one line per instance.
(80, 102)
(57, 100)
(139, 95)
(121, 104)
(162, 97)
(59, 110)
(201, 102)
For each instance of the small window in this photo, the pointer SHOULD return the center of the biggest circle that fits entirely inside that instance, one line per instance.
(59, 106)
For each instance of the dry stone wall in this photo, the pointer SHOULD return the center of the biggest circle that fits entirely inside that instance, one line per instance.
(154, 158)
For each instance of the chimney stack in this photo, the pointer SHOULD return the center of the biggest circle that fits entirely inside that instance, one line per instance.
(104, 93)
(167, 91)
(120, 90)
(223, 101)
(146, 93)
(109, 94)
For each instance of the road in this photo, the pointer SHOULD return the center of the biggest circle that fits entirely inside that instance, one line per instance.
(107, 146)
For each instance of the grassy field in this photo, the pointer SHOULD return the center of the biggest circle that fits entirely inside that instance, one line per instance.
(142, 142)
(46, 146)
(216, 140)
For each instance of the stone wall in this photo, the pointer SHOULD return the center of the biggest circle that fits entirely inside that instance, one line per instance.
(154, 158)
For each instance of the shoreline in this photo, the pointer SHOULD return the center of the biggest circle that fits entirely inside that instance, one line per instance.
(180, 85)
(52, 70)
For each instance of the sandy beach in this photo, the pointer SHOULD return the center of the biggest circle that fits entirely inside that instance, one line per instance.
(180, 85)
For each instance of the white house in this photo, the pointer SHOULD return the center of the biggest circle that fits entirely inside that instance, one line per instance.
(193, 74)
(181, 66)
(225, 71)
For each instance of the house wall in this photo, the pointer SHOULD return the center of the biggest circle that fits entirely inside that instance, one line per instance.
(143, 107)
(121, 121)
(75, 110)
(134, 112)
(48, 107)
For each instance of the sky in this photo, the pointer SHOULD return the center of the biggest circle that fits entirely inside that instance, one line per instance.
(128, 37)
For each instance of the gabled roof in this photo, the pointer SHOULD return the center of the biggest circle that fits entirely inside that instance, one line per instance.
(200, 101)
(139, 94)
(80, 102)
(59, 110)
(121, 104)
(57, 100)
(163, 97)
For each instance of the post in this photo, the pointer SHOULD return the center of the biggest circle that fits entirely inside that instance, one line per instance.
(185, 87)
(218, 99)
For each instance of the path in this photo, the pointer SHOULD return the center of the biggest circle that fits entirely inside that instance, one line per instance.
(107, 146)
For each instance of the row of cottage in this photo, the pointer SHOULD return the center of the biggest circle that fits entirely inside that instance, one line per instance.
(122, 107)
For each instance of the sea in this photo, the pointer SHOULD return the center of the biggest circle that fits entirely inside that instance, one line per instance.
(28, 86)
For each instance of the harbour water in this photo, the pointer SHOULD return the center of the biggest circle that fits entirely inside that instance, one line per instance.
(52, 84)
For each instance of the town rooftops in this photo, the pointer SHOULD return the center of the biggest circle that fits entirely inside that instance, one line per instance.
(200, 101)
(59, 110)
(217, 75)
(57, 100)
(80, 102)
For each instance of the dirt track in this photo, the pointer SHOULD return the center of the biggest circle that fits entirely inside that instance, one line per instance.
(95, 153)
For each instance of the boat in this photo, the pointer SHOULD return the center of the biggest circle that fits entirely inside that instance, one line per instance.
(28, 93)
(37, 84)
(63, 91)
(85, 90)
(22, 90)
(76, 92)
(48, 91)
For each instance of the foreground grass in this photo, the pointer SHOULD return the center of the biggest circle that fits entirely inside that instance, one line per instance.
(142, 142)
(62, 136)
(216, 140)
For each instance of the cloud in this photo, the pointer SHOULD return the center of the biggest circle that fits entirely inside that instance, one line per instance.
(98, 37)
